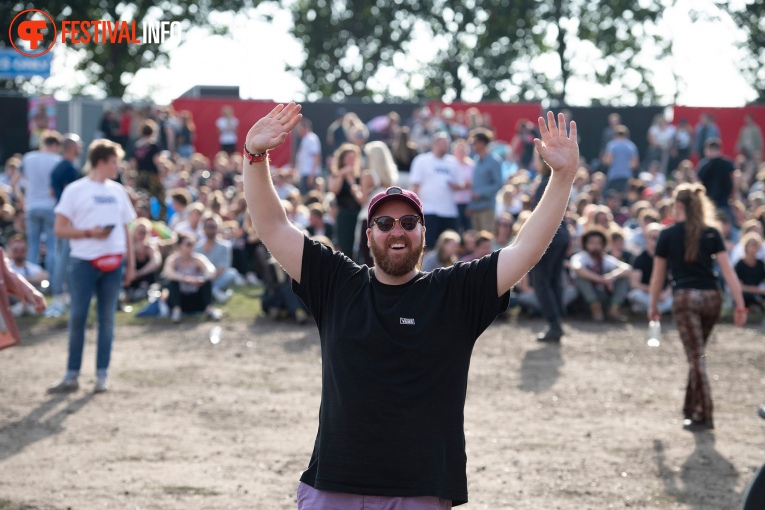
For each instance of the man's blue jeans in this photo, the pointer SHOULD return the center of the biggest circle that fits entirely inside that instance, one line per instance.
(86, 280)
(39, 221)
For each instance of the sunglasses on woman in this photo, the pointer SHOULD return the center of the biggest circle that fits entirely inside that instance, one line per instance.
(386, 223)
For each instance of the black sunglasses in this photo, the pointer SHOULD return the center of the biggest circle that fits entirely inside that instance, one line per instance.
(386, 223)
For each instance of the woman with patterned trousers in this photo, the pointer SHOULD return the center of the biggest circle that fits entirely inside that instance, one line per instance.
(689, 249)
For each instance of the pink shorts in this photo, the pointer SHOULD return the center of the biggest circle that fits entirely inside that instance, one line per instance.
(309, 498)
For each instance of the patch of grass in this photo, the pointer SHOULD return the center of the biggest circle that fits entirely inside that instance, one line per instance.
(7, 504)
(244, 305)
(183, 490)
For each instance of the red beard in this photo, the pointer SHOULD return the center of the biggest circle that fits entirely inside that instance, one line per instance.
(397, 263)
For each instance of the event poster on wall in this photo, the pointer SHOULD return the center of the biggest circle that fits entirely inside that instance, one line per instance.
(42, 116)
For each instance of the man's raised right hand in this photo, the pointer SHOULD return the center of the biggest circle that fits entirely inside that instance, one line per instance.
(271, 131)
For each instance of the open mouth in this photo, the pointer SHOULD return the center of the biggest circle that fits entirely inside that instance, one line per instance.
(397, 246)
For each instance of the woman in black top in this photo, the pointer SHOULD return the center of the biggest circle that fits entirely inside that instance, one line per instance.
(546, 275)
(689, 249)
(343, 181)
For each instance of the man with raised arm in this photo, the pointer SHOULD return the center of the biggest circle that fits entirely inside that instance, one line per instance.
(396, 342)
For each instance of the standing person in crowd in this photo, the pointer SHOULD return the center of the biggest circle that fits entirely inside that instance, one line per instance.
(660, 137)
(343, 181)
(186, 134)
(749, 144)
(228, 127)
(308, 156)
(94, 212)
(189, 278)
(706, 129)
(640, 278)
(602, 280)
(63, 174)
(487, 181)
(395, 341)
(146, 160)
(716, 173)
(37, 167)
(522, 143)
(219, 253)
(462, 197)
(688, 250)
(404, 150)
(621, 158)
(609, 132)
(336, 135)
(381, 173)
(682, 144)
(434, 177)
(547, 274)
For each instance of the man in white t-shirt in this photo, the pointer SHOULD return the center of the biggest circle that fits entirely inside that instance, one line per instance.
(94, 213)
(308, 160)
(601, 279)
(37, 167)
(227, 126)
(434, 177)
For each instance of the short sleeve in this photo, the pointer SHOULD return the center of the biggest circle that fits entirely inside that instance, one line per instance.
(662, 245)
(718, 245)
(128, 212)
(415, 172)
(65, 206)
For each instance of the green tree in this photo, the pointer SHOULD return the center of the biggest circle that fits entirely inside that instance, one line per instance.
(111, 67)
(750, 18)
(486, 46)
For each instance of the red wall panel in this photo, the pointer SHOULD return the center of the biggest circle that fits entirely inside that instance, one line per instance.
(207, 111)
(729, 121)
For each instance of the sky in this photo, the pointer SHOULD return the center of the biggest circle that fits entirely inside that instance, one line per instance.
(256, 54)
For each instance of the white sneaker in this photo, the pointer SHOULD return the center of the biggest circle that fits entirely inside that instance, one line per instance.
(252, 279)
(55, 310)
(164, 310)
(239, 280)
(214, 314)
(100, 386)
(222, 296)
(18, 309)
(176, 315)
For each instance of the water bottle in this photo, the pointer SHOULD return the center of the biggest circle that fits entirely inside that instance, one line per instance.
(215, 334)
(654, 333)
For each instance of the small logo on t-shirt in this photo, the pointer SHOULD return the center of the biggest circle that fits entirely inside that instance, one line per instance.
(407, 321)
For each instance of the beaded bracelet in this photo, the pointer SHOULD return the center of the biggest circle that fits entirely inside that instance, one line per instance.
(255, 158)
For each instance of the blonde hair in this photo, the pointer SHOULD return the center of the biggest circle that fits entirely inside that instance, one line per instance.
(380, 161)
(699, 214)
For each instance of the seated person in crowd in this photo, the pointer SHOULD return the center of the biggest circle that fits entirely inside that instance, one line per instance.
(616, 248)
(640, 278)
(484, 245)
(192, 225)
(220, 255)
(445, 252)
(749, 226)
(602, 280)
(33, 273)
(278, 298)
(148, 260)
(751, 271)
(316, 224)
(180, 199)
(189, 278)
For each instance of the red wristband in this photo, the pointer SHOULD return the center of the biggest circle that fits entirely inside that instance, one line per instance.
(255, 158)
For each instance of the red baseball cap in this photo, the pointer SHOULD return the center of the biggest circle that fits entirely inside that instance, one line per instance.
(394, 193)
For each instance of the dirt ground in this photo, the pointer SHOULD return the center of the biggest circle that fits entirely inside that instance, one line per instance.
(591, 424)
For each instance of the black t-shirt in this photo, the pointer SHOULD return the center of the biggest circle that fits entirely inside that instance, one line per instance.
(716, 174)
(690, 275)
(144, 157)
(644, 262)
(751, 275)
(395, 362)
